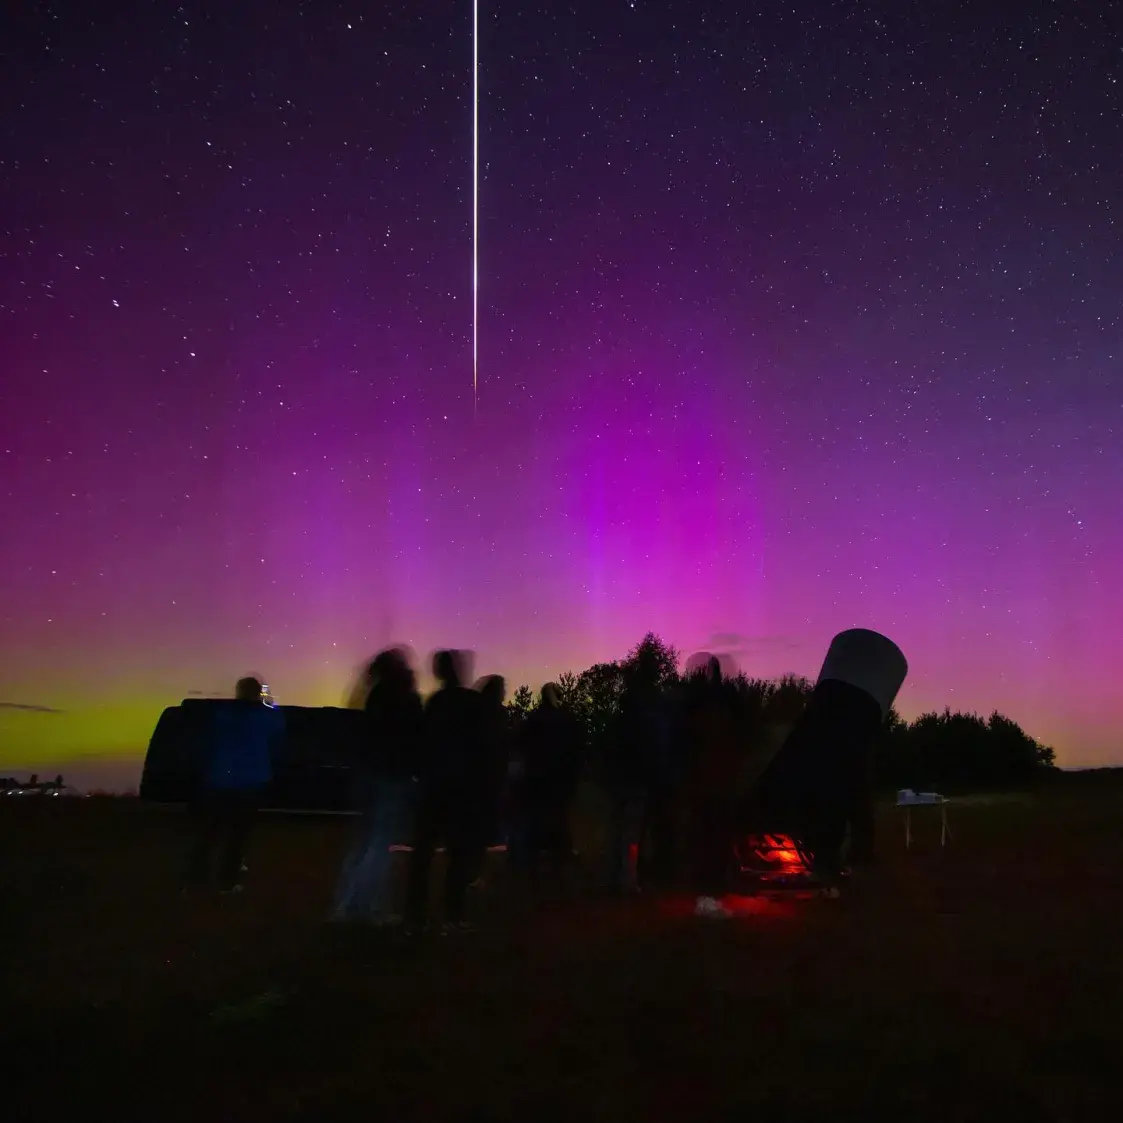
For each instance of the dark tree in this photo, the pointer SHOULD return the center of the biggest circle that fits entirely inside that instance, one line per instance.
(1016, 753)
(959, 751)
(597, 701)
(787, 698)
(653, 661)
(521, 703)
(569, 691)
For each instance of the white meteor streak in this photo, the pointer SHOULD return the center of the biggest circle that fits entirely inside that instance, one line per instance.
(475, 203)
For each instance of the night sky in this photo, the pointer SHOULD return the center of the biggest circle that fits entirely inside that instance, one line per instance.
(793, 317)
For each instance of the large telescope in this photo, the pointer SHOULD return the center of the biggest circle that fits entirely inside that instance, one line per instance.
(815, 785)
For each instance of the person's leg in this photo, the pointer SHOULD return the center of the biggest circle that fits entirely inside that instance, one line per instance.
(693, 835)
(516, 841)
(567, 845)
(639, 822)
(476, 863)
(239, 809)
(534, 841)
(615, 850)
(517, 830)
(719, 845)
(420, 861)
(393, 827)
(481, 830)
(357, 876)
(624, 840)
(646, 841)
(461, 839)
(662, 836)
(712, 844)
(629, 841)
(347, 887)
(825, 839)
(204, 826)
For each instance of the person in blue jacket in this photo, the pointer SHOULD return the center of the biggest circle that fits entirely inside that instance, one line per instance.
(243, 738)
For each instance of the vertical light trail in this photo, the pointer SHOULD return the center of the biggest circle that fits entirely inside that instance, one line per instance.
(475, 203)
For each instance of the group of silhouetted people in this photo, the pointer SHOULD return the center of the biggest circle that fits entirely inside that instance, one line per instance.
(676, 755)
(456, 772)
(450, 773)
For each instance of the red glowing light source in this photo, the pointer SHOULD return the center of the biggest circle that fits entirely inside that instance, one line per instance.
(773, 857)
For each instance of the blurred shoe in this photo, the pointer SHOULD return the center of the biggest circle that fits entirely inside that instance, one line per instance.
(231, 890)
(457, 928)
(711, 909)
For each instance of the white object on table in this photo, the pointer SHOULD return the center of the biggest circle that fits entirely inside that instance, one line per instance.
(908, 799)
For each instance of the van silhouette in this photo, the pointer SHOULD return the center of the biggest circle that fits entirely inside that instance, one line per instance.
(312, 769)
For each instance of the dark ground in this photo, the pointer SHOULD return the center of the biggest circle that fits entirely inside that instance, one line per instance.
(982, 982)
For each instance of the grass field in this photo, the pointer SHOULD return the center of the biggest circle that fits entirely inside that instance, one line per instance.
(982, 982)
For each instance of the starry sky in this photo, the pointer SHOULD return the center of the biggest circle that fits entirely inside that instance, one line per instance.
(793, 317)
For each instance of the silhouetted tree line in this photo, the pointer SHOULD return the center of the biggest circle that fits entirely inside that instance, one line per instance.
(955, 750)
(938, 751)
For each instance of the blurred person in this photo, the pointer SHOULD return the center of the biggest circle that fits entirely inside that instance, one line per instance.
(452, 773)
(518, 819)
(637, 765)
(355, 698)
(551, 766)
(243, 738)
(385, 773)
(666, 791)
(710, 731)
(496, 747)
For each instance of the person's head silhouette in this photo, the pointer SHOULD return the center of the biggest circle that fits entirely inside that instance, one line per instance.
(248, 689)
(390, 668)
(492, 689)
(445, 668)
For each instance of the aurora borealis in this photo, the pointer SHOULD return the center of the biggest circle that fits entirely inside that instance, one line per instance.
(792, 318)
